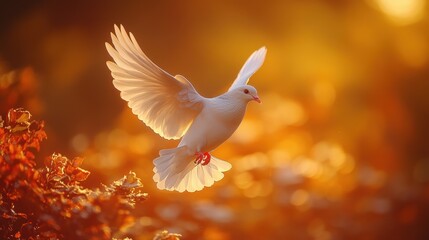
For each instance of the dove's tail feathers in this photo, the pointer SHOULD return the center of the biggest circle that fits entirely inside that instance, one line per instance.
(175, 171)
(167, 151)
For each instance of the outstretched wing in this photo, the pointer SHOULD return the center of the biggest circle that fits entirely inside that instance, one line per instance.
(253, 63)
(165, 103)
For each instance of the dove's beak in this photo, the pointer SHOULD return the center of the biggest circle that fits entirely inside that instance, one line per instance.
(256, 98)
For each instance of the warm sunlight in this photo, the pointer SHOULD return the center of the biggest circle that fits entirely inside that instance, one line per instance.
(403, 12)
(337, 148)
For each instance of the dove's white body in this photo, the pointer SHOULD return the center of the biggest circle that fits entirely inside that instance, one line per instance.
(218, 113)
(173, 108)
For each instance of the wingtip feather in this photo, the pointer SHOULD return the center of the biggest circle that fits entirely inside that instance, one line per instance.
(123, 29)
(107, 44)
(116, 30)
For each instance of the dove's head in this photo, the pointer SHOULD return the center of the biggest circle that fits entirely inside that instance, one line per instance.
(247, 93)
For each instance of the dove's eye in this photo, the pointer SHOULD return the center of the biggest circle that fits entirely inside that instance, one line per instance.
(246, 91)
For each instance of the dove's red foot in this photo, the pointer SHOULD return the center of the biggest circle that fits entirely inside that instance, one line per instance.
(202, 158)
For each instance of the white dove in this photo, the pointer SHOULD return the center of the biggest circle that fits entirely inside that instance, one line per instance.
(172, 107)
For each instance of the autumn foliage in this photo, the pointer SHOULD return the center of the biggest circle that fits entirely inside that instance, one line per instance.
(48, 202)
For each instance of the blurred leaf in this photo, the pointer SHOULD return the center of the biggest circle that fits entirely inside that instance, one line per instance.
(165, 235)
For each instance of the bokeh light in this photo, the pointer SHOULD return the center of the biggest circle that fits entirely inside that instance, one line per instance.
(403, 12)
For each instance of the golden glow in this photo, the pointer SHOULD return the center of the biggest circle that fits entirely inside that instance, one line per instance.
(258, 203)
(348, 166)
(324, 93)
(331, 153)
(318, 231)
(140, 144)
(80, 142)
(308, 168)
(280, 112)
(299, 198)
(243, 180)
(295, 143)
(259, 189)
(249, 130)
(279, 157)
(402, 12)
(343, 92)
(252, 161)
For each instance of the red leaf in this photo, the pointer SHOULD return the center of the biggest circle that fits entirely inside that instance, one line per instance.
(80, 174)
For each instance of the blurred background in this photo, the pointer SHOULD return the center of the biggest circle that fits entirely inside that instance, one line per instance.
(338, 150)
